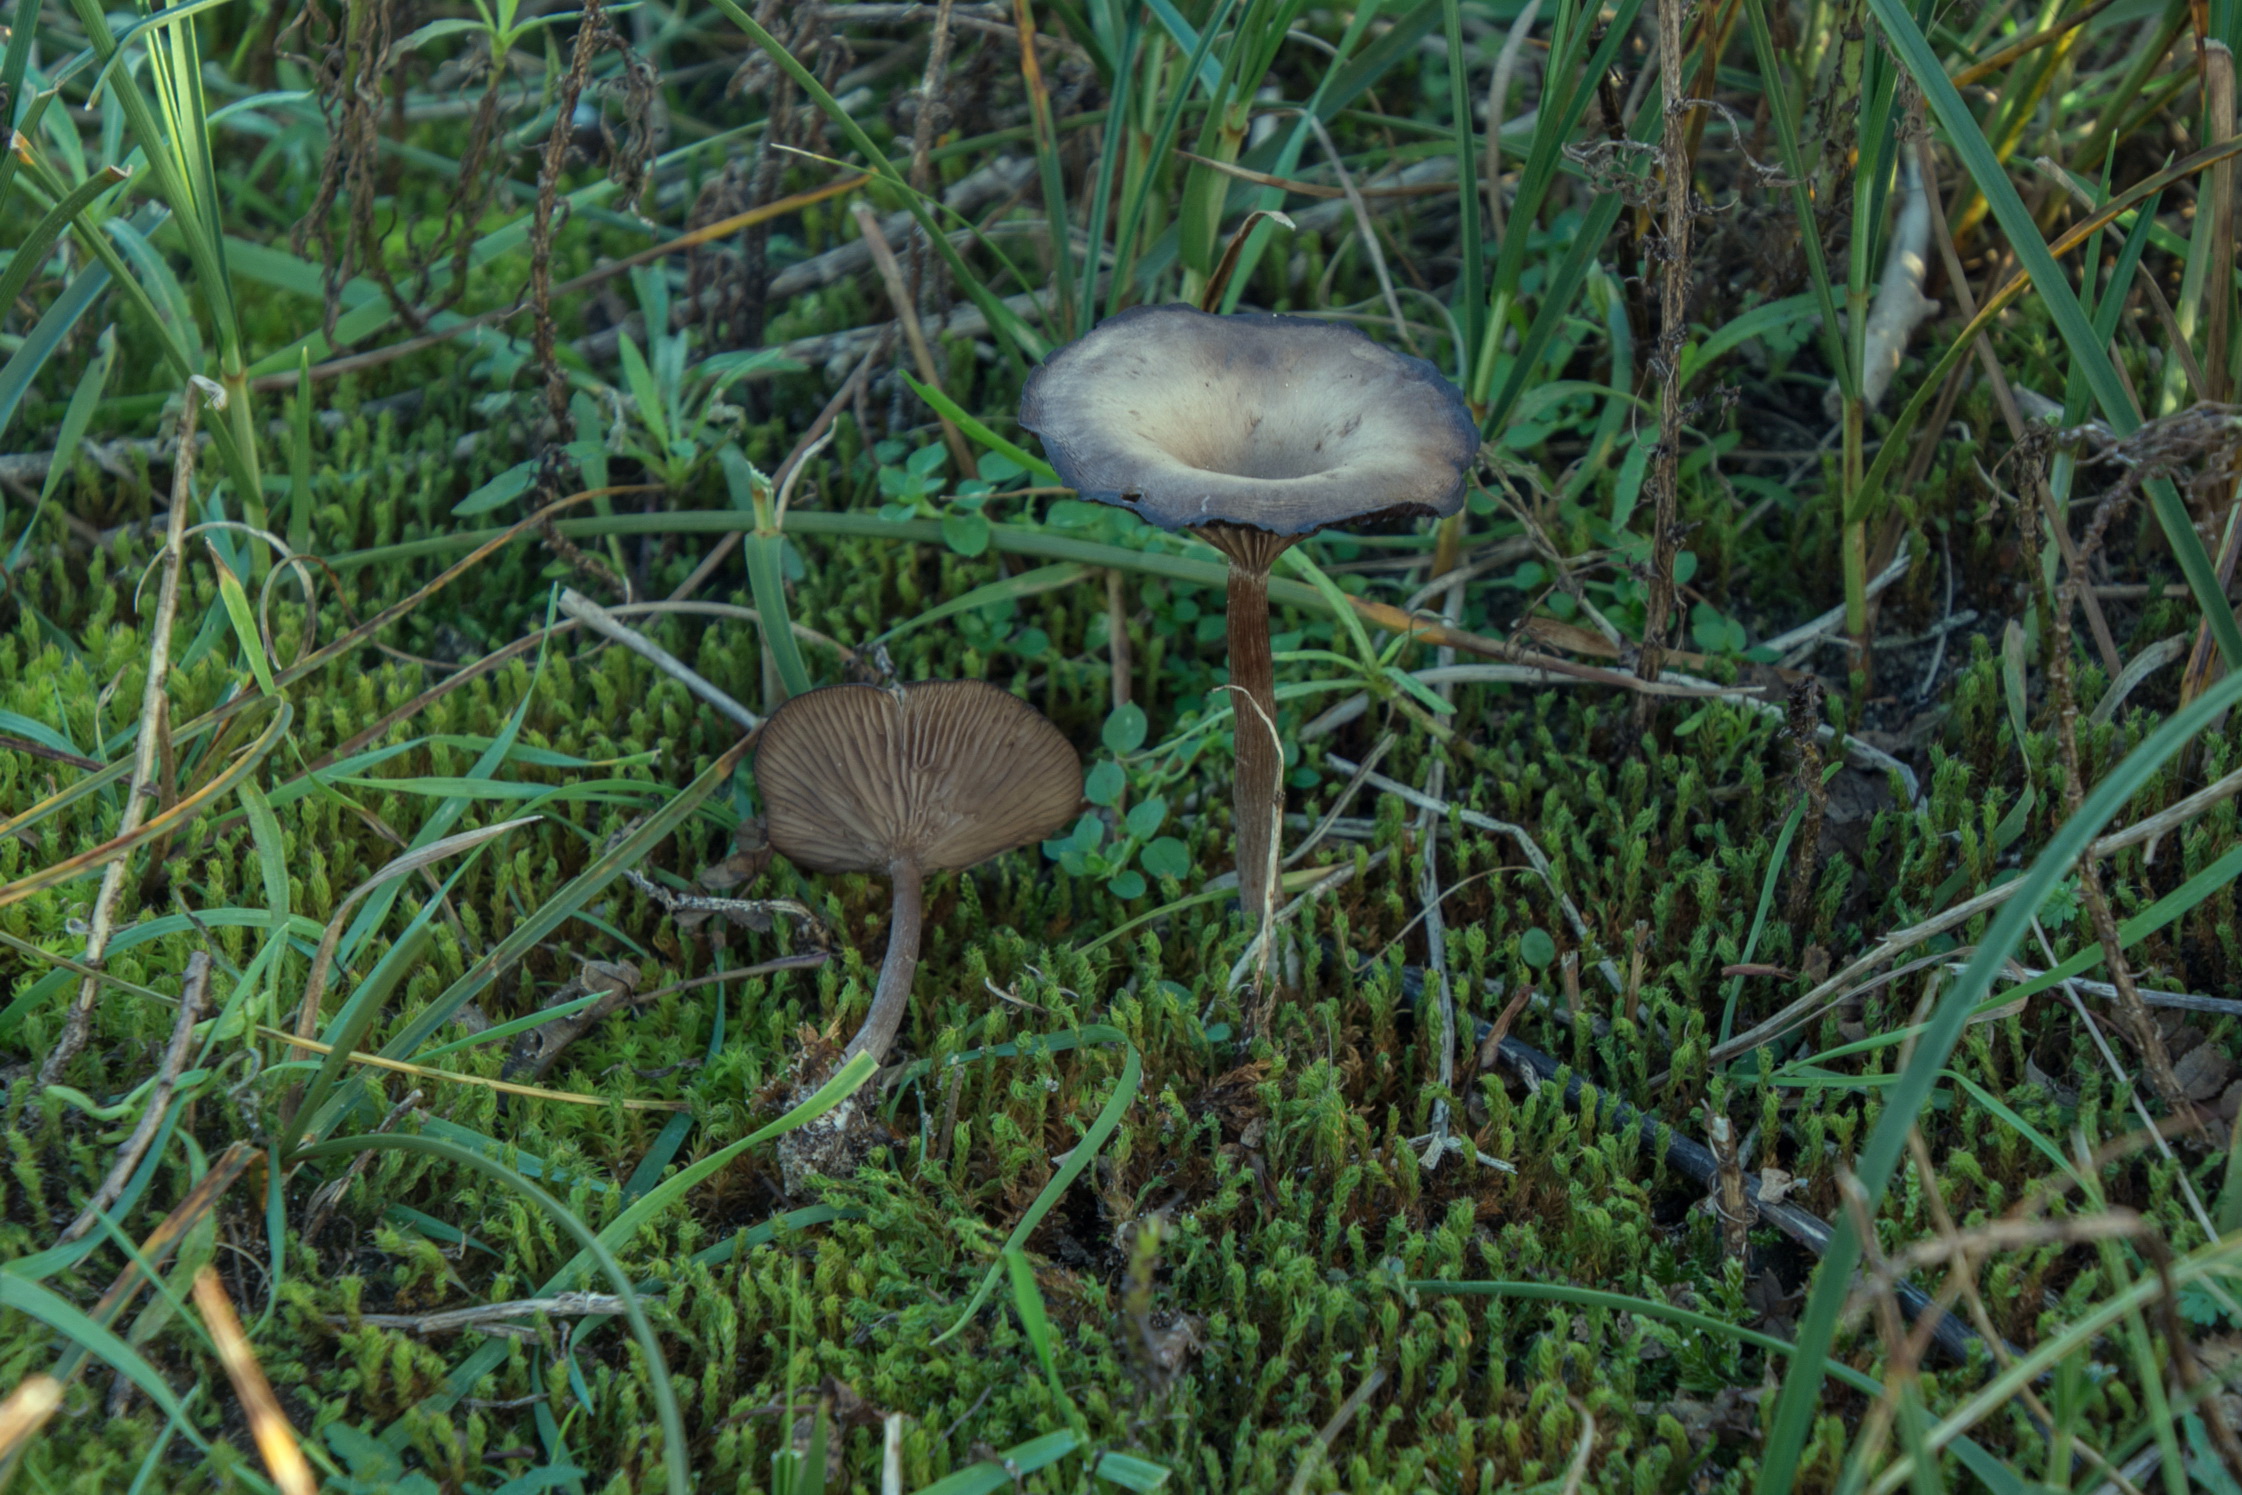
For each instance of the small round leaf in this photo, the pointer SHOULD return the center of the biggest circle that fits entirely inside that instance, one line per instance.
(1166, 857)
(1105, 783)
(1536, 948)
(1125, 728)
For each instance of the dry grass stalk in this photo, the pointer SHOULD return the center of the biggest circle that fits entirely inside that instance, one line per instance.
(155, 717)
(1664, 480)
(1804, 716)
(607, 625)
(907, 317)
(276, 1440)
(26, 1411)
(1730, 1199)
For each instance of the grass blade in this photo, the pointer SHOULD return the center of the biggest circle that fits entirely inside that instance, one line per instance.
(591, 1249)
(1879, 1157)
(2089, 356)
(1109, 1118)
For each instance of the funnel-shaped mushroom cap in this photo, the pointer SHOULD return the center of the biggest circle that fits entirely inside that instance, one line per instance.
(1285, 424)
(942, 774)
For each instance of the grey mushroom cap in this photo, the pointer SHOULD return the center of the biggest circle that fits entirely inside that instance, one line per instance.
(1283, 424)
(942, 774)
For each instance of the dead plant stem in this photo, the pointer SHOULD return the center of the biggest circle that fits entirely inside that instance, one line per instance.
(1673, 301)
(154, 724)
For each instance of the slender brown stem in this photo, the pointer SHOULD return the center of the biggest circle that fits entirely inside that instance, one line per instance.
(893, 997)
(1257, 789)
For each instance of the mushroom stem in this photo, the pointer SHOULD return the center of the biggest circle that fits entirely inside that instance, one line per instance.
(893, 997)
(1256, 790)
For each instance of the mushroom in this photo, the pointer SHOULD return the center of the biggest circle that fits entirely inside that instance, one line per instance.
(1252, 432)
(939, 775)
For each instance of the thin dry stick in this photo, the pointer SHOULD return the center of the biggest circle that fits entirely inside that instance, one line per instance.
(1534, 856)
(2125, 1082)
(1320, 1450)
(907, 316)
(933, 115)
(154, 719)
(276, 1441)
(1428, 894)
(1904, 1351)
(891, 1454)
(1347, 792)
(323, 1203)
(1673, 301)
(926, 127)
(1436, 964)
(601, 621)
(1731, 1201)
(1576, 1473)
(192, 993)
(1366, 228)
(1958, 1252)
(482, 1315)
(1264, 917)
(2004, 398)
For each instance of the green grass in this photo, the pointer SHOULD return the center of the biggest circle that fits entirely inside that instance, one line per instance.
(1109, 1242)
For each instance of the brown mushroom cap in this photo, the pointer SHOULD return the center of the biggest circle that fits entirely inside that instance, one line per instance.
(1284, 424)
(942, 774)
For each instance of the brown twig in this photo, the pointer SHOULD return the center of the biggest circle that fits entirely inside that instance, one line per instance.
(490, 1318)
(907, 317)
(1730, 1199)
(1804, 716)
(591, 35)
(11, 743)
(1664, 480)
(2004, 398)
(607, 625)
